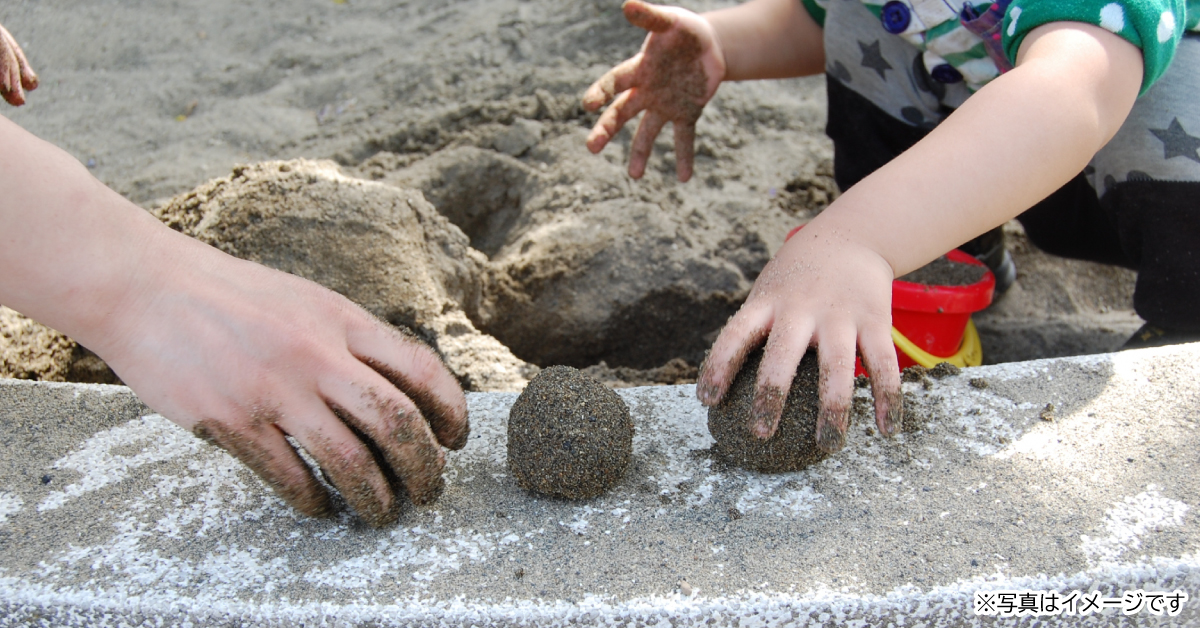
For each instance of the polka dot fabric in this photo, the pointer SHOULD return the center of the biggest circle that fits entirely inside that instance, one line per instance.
(942, 30)
(1155, 26)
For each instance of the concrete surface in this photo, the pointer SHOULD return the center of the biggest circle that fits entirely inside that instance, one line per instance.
(112, 516)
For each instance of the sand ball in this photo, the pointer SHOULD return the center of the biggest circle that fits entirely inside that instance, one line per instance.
(794, 445)
(568, 435)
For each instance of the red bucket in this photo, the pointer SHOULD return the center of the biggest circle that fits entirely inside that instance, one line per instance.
(931, 324)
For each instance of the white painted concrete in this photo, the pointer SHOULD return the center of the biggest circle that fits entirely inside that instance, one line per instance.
(112, 516)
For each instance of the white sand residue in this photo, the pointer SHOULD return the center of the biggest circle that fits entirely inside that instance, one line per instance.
(153, 437)
(1131, 519)
(10, 504)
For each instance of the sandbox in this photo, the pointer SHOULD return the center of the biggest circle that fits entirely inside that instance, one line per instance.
(111, 516)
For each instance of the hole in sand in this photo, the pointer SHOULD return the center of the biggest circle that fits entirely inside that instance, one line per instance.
(481, 195)
(580, 269)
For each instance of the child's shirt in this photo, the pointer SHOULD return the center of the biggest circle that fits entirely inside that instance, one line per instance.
(974, 43)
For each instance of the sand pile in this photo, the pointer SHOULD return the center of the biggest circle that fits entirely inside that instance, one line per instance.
(30, 350)
(382, 247)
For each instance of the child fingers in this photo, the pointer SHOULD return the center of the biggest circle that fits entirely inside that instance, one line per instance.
(780, 358)
(415, 370)
(836, 356)
(346, 461)
(685, 144)
(647, 16)
(626, 106)
(263, 448)
(388, 420)
(741, 335)
(643, 142)
(879, 359)
(615, 81)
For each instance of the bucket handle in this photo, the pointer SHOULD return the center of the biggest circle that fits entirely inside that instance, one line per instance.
(970, 352)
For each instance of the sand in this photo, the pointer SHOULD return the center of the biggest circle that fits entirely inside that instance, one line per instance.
(945, 272)
(474, 104)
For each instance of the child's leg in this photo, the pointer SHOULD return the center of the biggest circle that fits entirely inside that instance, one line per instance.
(1138, 203)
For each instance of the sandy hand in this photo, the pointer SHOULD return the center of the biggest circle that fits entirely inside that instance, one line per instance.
(819, 290)
(15, 72)
(674, 75)
(245, 356)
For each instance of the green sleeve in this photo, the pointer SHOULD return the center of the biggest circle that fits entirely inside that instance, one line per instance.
(816, 10)
(1154, 26)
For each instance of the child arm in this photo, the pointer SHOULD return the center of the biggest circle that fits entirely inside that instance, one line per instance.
(684, 59)
(239, 354)
(768, 39)
(1010, 145)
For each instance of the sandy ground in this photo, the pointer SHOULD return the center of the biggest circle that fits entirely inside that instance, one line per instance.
(112, 516)
(157, 98)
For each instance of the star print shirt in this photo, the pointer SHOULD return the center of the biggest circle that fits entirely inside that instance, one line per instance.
(979, 41)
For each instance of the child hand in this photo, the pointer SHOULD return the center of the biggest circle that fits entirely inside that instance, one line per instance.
(820, 289)
(243, 355)
(674, 75)
(15, 72)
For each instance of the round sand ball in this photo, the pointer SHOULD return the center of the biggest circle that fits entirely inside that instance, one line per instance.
(568, 435)
(794, 445)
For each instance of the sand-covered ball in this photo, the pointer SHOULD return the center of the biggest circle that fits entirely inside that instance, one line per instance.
(794, 445)
(568, 435)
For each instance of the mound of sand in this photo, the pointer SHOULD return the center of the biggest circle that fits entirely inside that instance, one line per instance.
(30, 350)
(382, 247)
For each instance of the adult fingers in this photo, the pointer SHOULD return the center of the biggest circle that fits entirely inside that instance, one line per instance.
(685, 143)
(780, 358)
(346, 461)
(836, 357)
(10, 69)
(741, 335)
(10, 78)
(879, 359)
(615, 81)
(263, 448)
(647, 16)
(391, 422)
(29, 78)
(416, 370)
(643, 142)
(627, 105)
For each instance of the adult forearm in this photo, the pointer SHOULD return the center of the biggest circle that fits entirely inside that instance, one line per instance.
(70, 248)
(1010, 145)
(765, 39)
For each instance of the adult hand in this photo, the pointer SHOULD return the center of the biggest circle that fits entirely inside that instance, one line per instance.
(245, 356)
(674, 75)
(821, 289)
(15, 72)
(240, 354)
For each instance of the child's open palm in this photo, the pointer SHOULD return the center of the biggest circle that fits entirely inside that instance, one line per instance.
(674, 75)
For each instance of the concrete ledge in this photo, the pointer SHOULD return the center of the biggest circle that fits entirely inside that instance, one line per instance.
(112, 516)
